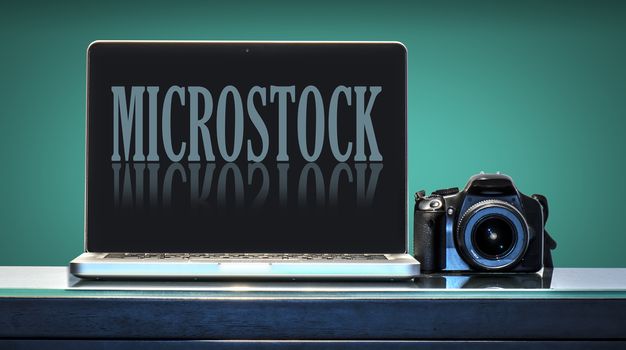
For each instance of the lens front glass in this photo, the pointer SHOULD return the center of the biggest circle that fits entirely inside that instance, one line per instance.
(494, 237)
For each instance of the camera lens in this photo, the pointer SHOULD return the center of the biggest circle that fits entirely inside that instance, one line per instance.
(493, 237)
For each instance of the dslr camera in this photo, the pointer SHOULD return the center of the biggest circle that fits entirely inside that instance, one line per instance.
(488, 226)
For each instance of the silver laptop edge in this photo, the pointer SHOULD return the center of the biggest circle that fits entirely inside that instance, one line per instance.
(398, 266)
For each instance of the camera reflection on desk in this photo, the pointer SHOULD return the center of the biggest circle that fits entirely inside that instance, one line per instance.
(539, 280)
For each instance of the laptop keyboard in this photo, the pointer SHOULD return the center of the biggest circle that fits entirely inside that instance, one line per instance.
(213, 256)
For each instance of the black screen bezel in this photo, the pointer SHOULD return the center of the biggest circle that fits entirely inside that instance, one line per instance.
(266, 45)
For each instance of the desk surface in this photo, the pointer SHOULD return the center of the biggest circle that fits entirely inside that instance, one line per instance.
(42, 281)
(566, 304)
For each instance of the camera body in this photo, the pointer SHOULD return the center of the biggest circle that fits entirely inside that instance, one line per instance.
(488, 226)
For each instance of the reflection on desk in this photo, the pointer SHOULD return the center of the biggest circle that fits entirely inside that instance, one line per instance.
(486, 281)
(425, 282)
(17, 280)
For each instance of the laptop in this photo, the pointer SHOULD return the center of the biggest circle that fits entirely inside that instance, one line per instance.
(246, 160)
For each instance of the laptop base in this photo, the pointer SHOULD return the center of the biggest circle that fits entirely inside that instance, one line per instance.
(98, 266)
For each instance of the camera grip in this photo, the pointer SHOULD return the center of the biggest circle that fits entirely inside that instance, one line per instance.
(425, 227)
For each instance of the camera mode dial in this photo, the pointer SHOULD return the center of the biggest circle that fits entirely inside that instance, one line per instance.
(446, 191)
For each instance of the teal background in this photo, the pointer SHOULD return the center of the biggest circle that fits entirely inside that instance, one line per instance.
(534, 89)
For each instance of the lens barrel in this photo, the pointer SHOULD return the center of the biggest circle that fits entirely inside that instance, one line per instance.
(492, 235)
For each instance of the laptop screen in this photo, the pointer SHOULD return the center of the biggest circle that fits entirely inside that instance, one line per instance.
(246, 147)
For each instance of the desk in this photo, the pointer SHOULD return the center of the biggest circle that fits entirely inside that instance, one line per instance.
(44, 307)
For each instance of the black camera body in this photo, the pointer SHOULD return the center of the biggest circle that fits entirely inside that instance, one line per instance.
(488, 226)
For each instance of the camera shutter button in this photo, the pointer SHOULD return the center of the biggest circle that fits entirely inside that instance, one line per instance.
(430, 204)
